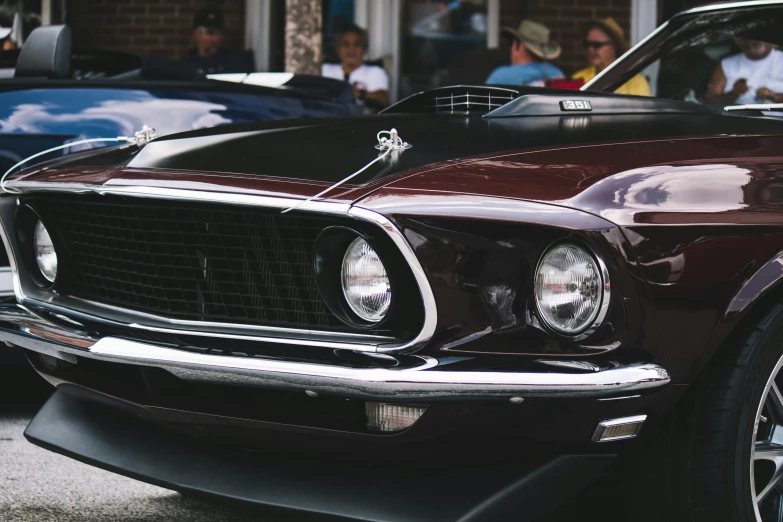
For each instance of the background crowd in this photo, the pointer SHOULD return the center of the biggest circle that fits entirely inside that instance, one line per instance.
(530, 58)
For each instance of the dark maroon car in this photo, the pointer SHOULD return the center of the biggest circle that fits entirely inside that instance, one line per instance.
(467, 308)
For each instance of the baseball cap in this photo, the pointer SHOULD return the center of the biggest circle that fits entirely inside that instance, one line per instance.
(209, 18)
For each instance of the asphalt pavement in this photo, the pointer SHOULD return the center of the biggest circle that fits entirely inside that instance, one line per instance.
(40, 486)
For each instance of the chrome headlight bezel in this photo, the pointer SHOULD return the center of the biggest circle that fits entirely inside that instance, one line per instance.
(27, 220)
(41, 233)
(355, 308)
(330, 250)
(605, 294)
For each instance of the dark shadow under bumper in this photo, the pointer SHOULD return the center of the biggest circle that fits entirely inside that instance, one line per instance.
(112, 435)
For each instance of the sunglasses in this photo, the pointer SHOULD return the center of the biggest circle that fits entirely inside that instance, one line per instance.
(589, 44)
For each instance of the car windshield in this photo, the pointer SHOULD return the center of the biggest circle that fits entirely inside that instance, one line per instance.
(727, 57)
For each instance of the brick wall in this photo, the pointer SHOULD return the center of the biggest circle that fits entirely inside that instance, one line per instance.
(565, 18)
(161, 27)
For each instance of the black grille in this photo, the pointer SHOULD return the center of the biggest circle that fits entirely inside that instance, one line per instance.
(191, 261)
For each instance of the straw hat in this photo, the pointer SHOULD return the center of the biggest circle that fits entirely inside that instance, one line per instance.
(535, 37)
(610, 26)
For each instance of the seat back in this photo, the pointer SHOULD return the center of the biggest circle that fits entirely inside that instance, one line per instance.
(46, 53)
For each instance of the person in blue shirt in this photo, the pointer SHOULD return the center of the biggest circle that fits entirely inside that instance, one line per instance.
(530, 52)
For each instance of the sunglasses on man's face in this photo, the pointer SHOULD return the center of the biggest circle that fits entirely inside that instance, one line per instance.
(591, 44)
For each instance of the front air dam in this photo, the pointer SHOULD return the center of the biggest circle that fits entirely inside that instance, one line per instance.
(107, 433)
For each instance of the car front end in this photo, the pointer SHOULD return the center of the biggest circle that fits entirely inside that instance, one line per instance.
(460, 329)
(214, 381)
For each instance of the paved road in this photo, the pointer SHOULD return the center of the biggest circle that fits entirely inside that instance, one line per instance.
(39, 486)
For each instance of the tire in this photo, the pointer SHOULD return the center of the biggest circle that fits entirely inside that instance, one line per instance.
(713, 433)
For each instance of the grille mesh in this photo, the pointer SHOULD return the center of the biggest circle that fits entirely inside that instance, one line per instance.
(466, 100)
(456, 99)
(189, 261)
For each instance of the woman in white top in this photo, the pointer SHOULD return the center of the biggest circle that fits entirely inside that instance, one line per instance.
(753, 76)
(370, 82)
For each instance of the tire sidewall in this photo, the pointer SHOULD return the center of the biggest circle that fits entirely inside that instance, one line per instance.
(760, 358)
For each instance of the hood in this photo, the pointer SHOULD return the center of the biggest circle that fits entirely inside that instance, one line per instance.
(302, 157)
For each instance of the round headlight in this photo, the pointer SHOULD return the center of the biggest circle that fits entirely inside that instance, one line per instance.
(365, 283)
(570, 290)
(45, 256)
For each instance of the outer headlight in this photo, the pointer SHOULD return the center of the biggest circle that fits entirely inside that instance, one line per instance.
(572, 290)
(365, 283)
(45, 256)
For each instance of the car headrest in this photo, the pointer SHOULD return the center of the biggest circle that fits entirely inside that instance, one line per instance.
(46, 53)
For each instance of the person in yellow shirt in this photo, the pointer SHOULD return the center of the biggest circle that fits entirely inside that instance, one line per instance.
(604, 42)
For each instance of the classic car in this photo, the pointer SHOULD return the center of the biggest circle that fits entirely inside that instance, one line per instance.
(469, 307)
(52, 95)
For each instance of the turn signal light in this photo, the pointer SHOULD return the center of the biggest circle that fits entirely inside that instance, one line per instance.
(387, 417)
(619, 429)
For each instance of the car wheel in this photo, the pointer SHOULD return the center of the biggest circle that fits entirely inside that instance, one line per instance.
(728, 436)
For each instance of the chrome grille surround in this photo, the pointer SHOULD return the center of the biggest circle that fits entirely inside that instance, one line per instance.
(331, 340)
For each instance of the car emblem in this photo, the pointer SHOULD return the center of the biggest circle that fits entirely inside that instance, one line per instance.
(576, 105)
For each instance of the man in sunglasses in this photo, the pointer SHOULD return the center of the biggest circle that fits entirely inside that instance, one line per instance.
(207, 56)
(604, 42)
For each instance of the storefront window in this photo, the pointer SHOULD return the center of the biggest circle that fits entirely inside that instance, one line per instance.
(433, 33)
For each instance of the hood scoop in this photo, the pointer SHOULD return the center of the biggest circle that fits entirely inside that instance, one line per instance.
(457, 99)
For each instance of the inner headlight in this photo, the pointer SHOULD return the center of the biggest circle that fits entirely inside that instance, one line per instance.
(45, 256)
(365, 282)
(571, 290)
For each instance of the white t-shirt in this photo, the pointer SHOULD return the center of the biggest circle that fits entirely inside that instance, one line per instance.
(367, 77)
(767, 72)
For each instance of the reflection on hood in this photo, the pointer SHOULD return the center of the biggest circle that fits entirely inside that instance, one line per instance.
(126, 115)
(684, 189)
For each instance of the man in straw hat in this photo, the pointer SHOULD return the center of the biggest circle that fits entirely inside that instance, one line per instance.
(604, 42)
(530, 52)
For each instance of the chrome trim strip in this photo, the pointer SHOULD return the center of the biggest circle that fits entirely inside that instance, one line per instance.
(12, 261)
(732, 5)
(428, 299)
(754, 106)
(6, 281)
(313, 341)
(327, 207)
(424, 382)
(209, 324)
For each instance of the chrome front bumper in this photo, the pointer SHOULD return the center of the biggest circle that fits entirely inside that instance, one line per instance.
(426, 379)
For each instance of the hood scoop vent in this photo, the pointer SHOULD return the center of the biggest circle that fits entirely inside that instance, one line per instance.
(457, 99)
